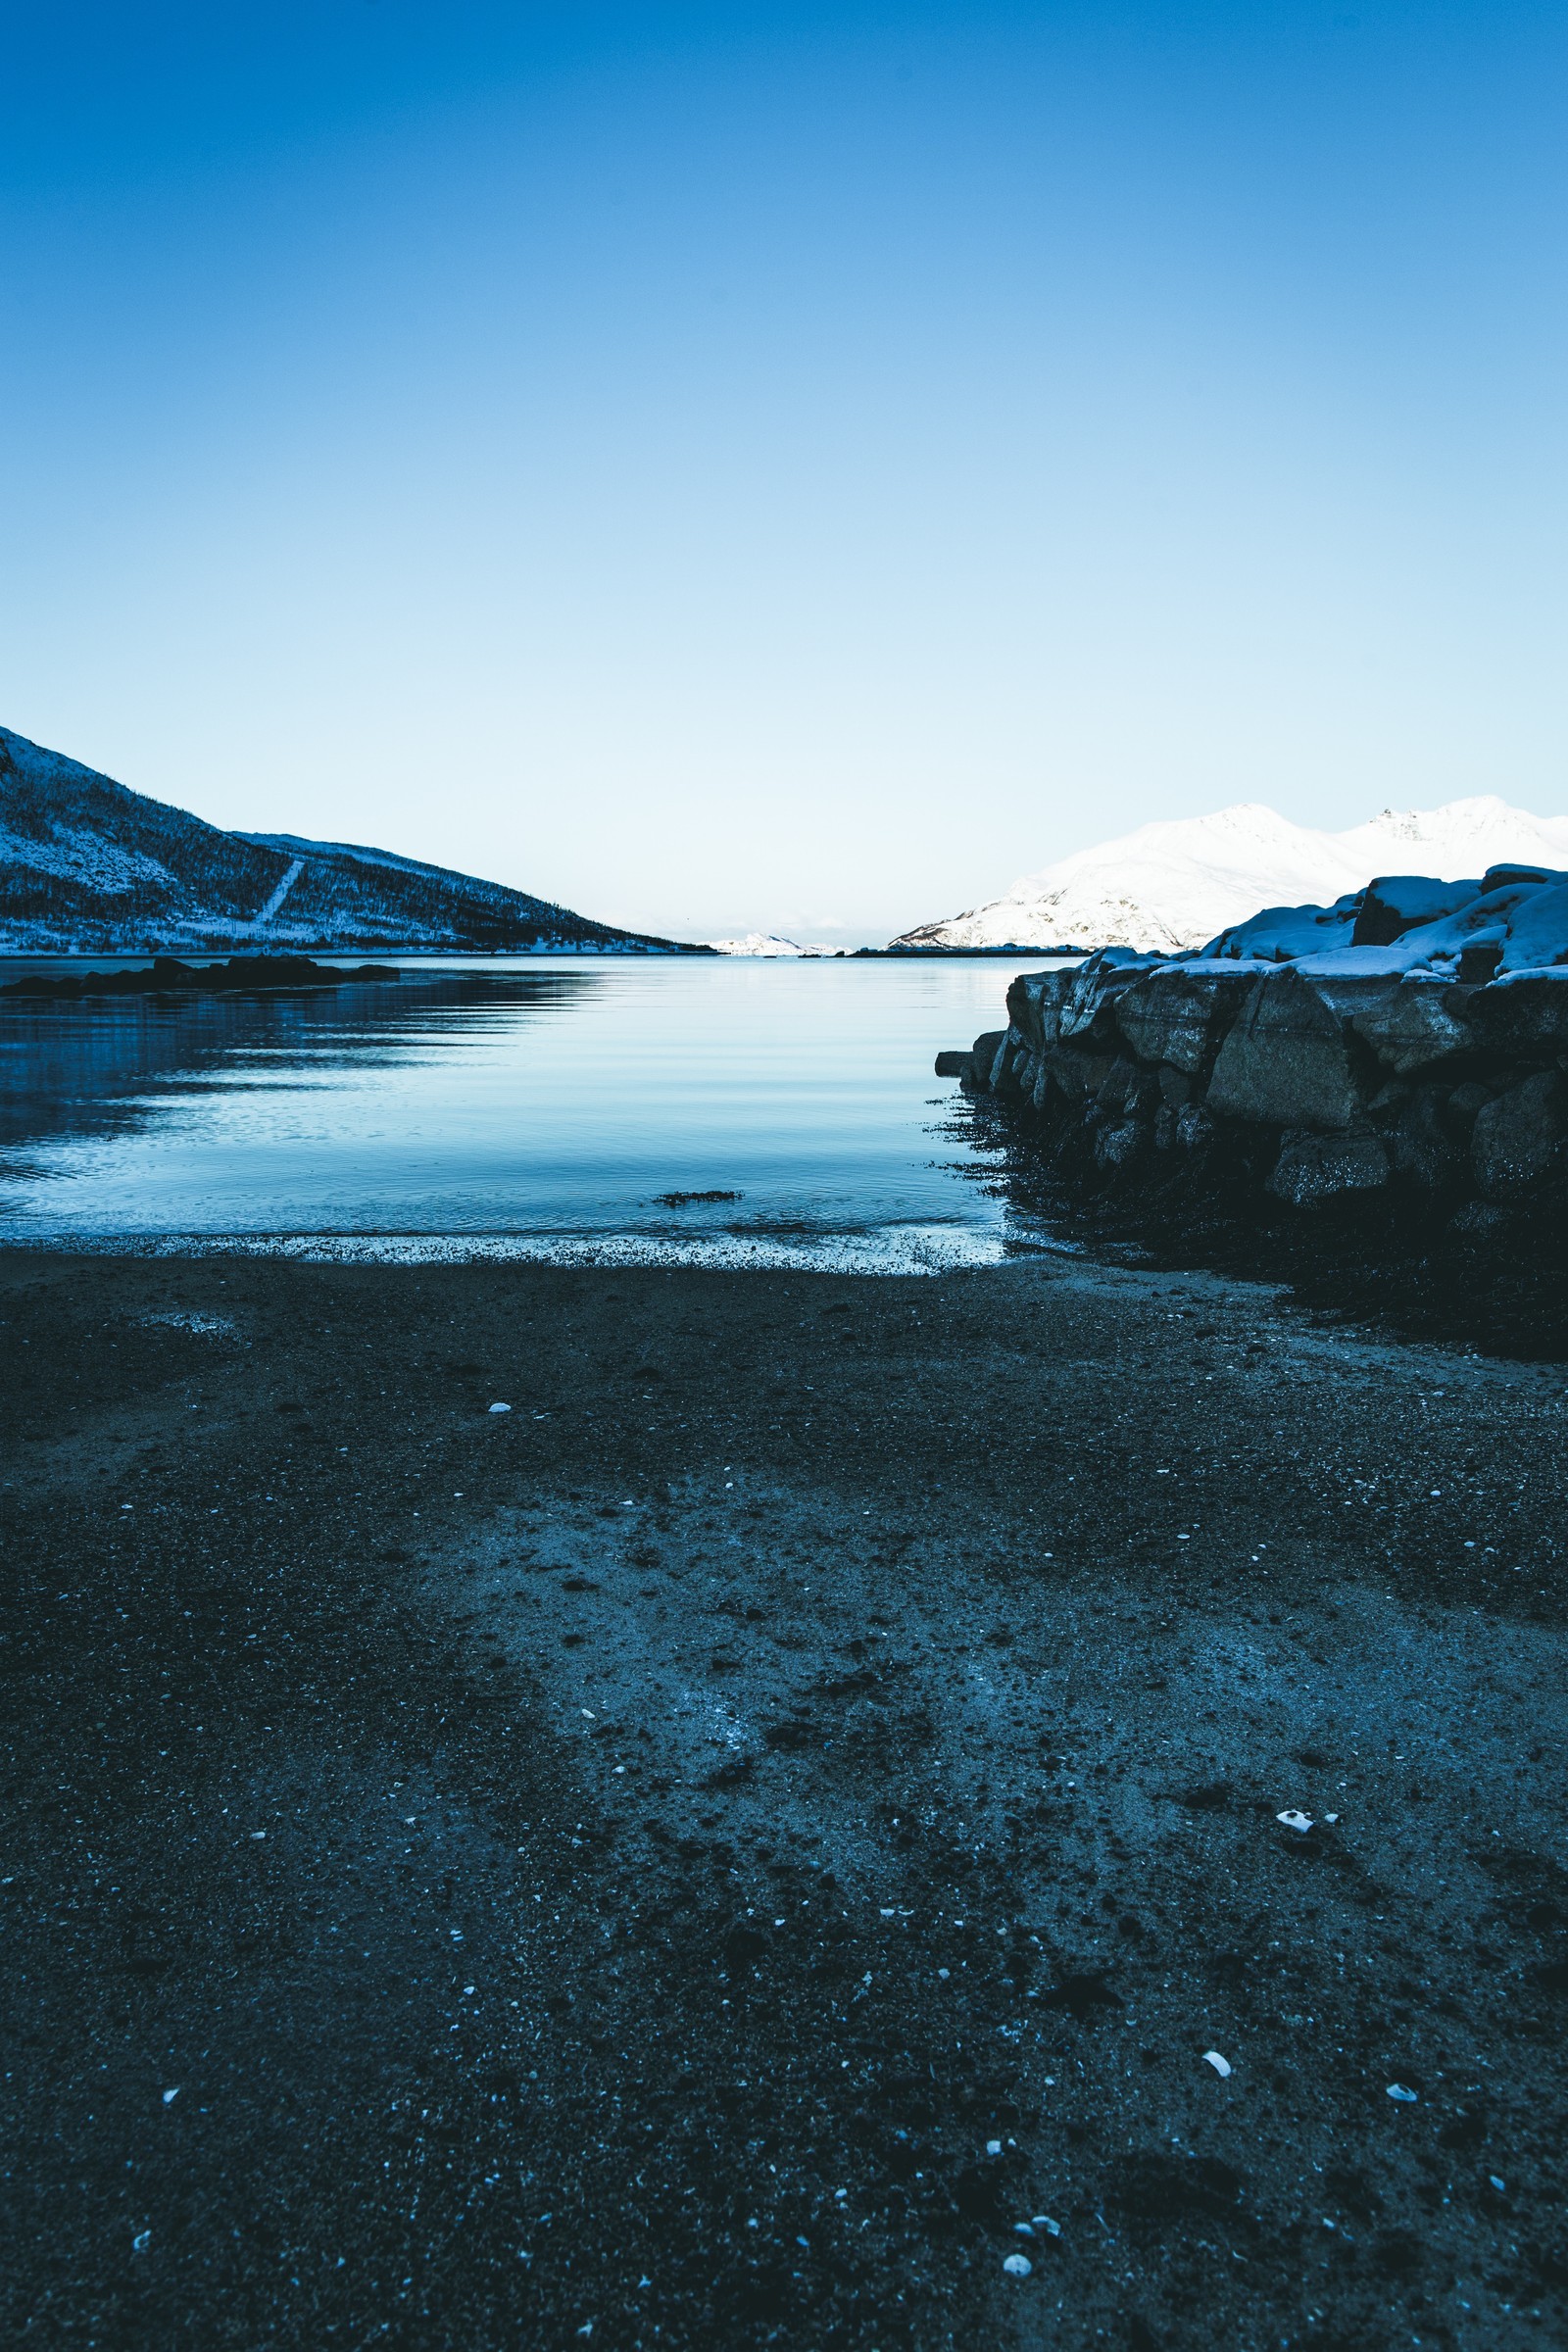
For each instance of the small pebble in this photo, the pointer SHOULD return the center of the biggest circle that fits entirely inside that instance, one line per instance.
(1017, 2265)
(1221, 2066)
(1397, 2090)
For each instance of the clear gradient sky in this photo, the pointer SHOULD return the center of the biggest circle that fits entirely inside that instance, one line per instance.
(782, 465)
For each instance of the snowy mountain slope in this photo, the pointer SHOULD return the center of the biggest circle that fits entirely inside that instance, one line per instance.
(89, 866)
(769, 943)
(1172, 884)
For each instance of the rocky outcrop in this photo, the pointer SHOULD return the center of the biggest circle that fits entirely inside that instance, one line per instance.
(1291, 1087)
(241, 975)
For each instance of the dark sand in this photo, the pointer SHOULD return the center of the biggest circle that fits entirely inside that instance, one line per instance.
(697, 1859)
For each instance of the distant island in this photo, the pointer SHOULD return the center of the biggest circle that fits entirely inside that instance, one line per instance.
(167, 976)
(89, 868)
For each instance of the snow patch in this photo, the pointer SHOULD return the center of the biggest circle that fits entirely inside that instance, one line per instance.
(74, 854)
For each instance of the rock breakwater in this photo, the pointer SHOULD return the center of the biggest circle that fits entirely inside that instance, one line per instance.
(1219, 1082)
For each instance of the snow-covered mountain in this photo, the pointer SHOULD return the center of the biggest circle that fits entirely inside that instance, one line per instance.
(1173, 885)
(764, 943)
(87, 865)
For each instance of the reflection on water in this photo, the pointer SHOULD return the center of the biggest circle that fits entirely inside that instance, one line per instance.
(531, 1108)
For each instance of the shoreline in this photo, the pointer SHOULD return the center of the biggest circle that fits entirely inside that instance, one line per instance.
(791, 1641)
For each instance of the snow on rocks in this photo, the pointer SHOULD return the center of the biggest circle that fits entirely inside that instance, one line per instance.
(1519, 914)
(1536, 932)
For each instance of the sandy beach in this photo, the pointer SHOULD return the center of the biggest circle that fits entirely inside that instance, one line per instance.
(802, 1809)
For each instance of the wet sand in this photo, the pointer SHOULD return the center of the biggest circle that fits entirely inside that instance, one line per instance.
(704, 1856)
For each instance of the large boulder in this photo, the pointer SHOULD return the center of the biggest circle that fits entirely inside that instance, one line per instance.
(1314, 1169)
(1418, 1132)
(1280, 933)
(1076, 1075)
(1086, 1017)
(985, 1056)
(1522, 1016)
(1014, 1071)
(1419, 1022)
(1488, 914)
(1538, 932)
(1392, 902)
(1178, 1016)
(1119, 1142)
(1034, 1003)
(1286, 1061)
(1357, 980)
(1128, 1088)
(1520, 1134)
(1504, 878)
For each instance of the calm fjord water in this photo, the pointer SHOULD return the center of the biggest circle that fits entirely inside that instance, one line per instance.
(532, 1107)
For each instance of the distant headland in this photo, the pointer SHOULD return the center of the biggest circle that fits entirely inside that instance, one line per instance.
(89, 868)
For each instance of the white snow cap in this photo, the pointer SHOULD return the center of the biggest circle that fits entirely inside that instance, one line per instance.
(764, 943)
(1173, 885)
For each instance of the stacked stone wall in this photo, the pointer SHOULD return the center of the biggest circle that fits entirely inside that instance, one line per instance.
(1301, 1091)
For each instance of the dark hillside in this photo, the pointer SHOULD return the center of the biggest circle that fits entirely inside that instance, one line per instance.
(89, 866)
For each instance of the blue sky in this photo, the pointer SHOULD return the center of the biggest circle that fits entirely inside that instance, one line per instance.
(778, 466)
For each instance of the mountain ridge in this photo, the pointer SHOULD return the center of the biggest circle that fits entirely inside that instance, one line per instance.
(1171, 885)
(88, 866)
